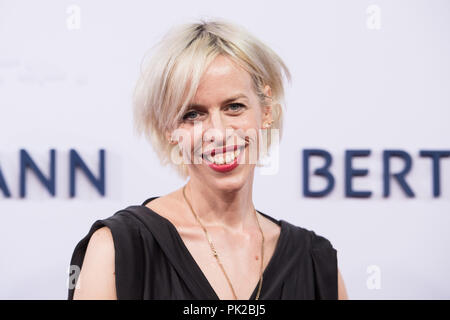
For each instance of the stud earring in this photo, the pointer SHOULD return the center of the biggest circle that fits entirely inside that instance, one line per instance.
(267, 124)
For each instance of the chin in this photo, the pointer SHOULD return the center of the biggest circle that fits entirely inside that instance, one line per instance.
(231, 182)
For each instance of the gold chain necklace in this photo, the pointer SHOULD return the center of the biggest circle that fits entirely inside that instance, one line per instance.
(213, 249)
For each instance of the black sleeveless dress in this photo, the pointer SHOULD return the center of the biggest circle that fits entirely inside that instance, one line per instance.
(152, 261)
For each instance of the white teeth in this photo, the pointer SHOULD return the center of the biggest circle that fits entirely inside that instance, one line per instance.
(221, 158)
(224, 158)
(229, 157)
(218, 159)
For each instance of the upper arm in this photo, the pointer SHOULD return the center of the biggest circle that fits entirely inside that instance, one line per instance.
(342, 291)
(97, 276)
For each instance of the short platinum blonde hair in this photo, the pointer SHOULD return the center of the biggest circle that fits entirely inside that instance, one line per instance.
(170, 77)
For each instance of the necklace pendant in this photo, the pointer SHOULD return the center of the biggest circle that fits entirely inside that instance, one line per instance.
(213, 249)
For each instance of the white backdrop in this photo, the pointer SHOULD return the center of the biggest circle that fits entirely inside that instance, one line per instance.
(366, 75)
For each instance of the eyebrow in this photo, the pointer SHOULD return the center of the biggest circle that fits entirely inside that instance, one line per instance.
(231, 99)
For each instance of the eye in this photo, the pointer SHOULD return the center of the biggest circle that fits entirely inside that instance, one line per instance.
(235, 106)
(191, 115)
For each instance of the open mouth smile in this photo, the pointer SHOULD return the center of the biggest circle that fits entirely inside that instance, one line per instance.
(224, 159)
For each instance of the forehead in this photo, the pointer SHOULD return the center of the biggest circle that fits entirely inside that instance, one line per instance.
(223, 78)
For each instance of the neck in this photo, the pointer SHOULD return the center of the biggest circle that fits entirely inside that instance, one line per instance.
(228, 208)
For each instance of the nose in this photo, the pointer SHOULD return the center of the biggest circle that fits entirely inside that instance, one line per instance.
(215, 130)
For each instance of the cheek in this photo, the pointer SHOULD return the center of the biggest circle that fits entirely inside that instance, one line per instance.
(249, 124)
(185, 137)
(247, 121)
(195, 144)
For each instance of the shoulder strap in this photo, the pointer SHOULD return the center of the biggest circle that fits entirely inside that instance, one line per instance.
(171, 243)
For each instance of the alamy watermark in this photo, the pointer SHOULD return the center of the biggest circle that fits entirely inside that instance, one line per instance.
(73, 20)
(373, 281)
(195, 146)
(73, 281)
(373, 21)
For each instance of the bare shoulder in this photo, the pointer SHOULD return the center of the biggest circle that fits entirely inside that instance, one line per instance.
(163, 203)
(167, 206)
(342, 291)
(97, 277)
(271, 230)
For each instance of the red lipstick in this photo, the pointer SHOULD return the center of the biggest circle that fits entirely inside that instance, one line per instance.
(226, 167)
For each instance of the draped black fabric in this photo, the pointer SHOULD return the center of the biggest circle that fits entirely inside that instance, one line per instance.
(152, 261)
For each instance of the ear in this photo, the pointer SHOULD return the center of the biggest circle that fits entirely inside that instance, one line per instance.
(267, 108)
(169, 138)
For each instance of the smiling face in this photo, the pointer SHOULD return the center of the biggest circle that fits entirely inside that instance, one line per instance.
(224, 114)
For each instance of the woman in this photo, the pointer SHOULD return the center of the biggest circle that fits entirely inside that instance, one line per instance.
(203, 101)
